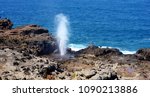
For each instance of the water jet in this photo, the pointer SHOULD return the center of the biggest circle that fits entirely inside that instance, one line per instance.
(62, 33)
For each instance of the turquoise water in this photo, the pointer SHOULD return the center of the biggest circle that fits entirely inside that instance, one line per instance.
(124, 24)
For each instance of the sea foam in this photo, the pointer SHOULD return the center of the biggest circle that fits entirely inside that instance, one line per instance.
(77, 47)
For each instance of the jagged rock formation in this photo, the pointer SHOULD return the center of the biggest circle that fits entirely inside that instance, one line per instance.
(96, 51)
(30, 39)
(5, 24)
(30, 52)
(144, 53)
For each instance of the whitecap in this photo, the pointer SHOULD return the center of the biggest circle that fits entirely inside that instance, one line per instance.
(76, 47)
(128, 52)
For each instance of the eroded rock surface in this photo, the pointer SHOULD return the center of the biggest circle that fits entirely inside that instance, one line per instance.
(30, 39)
(5, 24)
(30, 53)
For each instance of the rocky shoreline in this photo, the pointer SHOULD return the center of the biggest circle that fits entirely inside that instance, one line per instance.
(30, 53)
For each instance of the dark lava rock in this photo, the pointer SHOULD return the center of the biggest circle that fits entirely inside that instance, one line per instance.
(144, 53)
(5, 24)
(113, 76)
(16, 63)
(26, 71)
(95, 50)
(47, 71)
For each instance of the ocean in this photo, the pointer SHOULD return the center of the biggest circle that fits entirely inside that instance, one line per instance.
(122, 24)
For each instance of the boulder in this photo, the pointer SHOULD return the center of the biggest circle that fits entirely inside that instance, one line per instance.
(48, 70)
(5, 24)
(88, 73)
(109, 76)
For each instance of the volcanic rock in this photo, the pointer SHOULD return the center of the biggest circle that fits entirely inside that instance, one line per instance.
(144, 53)
(30, 52)
(14, 68)
(96, 77)
(5, 24)
(88, 73)
(95, 50)
(30, 39)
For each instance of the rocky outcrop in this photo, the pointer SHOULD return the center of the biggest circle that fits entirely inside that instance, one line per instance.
(30, 39)
(30, 52)
(5, 24)
(29, 30)
(144, 54)
(17, 66)
(95, 50)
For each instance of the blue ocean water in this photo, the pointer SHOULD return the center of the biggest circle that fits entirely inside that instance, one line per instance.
(124, 24)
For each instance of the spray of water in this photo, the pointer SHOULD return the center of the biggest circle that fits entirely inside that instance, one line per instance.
(62, 32)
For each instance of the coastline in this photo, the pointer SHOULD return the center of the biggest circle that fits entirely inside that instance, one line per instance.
(30, 53)
(77, 47)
